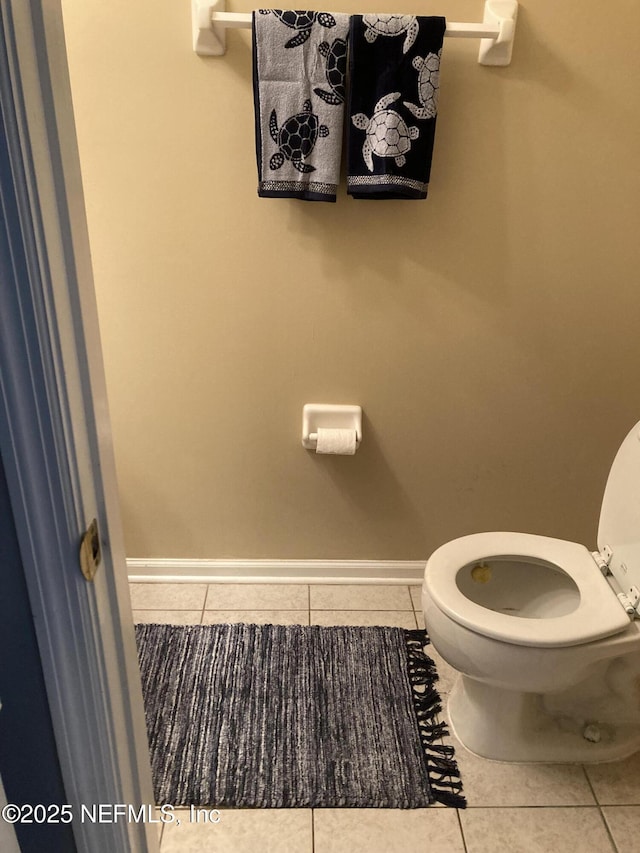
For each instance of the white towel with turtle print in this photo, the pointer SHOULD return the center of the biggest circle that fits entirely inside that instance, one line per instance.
(299, 68)
(393, 103)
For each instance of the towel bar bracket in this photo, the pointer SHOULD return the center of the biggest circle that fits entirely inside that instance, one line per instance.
(503, 15)
(209, 36)
(210, 22)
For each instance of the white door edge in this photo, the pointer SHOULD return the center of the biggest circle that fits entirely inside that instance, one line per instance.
(50, 353)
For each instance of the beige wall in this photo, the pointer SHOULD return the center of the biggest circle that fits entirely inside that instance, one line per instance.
(490, 333)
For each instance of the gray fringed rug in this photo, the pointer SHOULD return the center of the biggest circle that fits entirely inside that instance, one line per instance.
(286, 716)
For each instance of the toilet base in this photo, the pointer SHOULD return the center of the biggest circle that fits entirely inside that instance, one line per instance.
(504, 725)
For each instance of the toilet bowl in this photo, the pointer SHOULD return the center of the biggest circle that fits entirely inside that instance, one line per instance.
(543, 634)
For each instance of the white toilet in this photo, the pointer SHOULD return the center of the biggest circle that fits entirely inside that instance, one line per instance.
(542, 633)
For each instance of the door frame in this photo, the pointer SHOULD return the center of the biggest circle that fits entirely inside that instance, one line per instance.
(51, 368)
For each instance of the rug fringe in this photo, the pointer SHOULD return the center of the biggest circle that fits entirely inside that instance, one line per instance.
(444, 775)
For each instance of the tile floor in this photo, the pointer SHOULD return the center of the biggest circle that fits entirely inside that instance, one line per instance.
(511, 808)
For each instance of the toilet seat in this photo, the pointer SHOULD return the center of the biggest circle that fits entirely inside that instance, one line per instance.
(598, 613)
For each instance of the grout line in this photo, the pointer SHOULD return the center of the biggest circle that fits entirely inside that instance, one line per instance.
(464, 840)
(358, 609)
(313, 830)
(413, 608)
(591, 788)
(607, 830)
(361, 610)
(535, 806)
(167, 608)
(604, 820)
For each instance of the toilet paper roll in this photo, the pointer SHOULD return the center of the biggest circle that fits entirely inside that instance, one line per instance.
(340, 442)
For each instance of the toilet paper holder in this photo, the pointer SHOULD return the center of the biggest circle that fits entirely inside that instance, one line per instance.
(329, 416)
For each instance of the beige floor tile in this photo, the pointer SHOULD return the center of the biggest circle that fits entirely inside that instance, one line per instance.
(624, 826)
(257, 596)
(492, 783)
(359, 597)
(617, 782)
(167, 596)
(242, 831)
(168, 617)
(393, 618)
(256, 617)
(546, 830)
(386, 831)
(416, 596)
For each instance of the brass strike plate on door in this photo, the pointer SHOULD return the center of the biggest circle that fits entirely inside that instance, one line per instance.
(90, 554)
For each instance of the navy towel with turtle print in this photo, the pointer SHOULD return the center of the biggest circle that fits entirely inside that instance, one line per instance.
(393, 101)
(299, 70)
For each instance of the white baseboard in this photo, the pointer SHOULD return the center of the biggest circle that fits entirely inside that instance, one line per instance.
(142, 570)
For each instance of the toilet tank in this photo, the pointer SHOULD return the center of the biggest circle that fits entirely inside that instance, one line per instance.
(619, 527)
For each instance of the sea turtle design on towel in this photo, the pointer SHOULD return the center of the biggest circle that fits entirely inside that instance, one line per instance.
(387, 132)
(296, 138)
(428, 82)
(336, 69)
(302, 21)
(391, 25)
